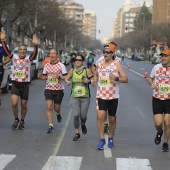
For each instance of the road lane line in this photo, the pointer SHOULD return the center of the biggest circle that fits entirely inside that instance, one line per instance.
(5, 159)
(62, 134)
(63, 163)
(132, 164)
(107, 151)
(133, 71)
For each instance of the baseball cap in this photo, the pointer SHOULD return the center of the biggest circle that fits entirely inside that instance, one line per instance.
(165, 52)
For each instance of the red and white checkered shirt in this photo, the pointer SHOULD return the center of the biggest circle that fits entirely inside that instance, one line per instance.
(21, 69)
(161, 76)
(106, 89)
(53, 70)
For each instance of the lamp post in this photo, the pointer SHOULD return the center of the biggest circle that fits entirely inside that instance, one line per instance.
(143, 20)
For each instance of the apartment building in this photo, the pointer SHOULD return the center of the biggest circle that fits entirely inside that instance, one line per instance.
(73, 11)
(161, 11)
(90, 24)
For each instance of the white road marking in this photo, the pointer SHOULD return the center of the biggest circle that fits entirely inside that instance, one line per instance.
(63, 163)
(132, 164)
(5, 159)
(107, 151)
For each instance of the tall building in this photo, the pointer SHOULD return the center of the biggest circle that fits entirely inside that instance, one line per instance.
(161, 11)
(90, 24)
(125, 17)
(73, 11)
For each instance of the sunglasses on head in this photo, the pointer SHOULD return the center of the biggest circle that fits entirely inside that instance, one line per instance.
(78, 60)
(107, 52)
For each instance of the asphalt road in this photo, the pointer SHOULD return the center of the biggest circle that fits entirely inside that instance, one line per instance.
(34, 149)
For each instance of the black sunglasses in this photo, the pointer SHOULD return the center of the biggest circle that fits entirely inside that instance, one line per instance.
(78, 60)
(107, 52)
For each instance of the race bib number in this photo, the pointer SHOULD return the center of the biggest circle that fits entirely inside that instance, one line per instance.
(79, 91)
(52, 80)
(104, 81)
(20, 74)
(164, 88)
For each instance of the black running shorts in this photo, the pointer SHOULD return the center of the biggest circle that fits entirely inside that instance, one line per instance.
(20, 89)
(110, 105)
(160, 106)
(54, 95)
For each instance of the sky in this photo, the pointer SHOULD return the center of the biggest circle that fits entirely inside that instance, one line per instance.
(106, 11)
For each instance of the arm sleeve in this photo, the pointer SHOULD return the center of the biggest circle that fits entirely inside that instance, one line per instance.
(33, 55)
(6, 50)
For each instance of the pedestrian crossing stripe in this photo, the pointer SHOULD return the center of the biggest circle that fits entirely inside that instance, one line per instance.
(132, 164)
(63, 163)
(5, 160)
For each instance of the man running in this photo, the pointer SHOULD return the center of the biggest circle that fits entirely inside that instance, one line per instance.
(159, 81)
(54, 72)
(108, 75)
(20, 78)
(3, 55)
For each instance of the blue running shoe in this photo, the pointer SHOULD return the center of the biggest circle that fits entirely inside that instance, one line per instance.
(50, 129)
(102, 142)
(110, 143)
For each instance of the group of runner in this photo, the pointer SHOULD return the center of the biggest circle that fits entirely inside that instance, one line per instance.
(106, 74)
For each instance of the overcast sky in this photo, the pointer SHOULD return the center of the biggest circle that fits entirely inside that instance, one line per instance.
(105, 11)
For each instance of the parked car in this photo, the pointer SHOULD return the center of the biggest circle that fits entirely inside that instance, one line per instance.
(6, 78)
(38, 61)
(156, 59)
(140, 57)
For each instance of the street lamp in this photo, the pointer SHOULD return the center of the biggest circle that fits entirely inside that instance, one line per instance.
(143, 20)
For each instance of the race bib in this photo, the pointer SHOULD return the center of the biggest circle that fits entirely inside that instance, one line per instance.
(104, 81)
(20, 74)
(79, 91)
(164, 88)
(52, 80)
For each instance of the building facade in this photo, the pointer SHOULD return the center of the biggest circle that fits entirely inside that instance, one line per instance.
(90, 24)
(161, 11)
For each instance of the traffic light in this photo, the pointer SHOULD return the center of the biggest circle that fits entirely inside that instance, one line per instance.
(99, 31)
(126, 28)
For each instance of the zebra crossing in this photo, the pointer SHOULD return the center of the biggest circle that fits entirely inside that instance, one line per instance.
(74, 163)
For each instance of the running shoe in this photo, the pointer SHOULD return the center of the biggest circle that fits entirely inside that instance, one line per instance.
(158, 138)
(50, 129)
(165, 147)
(21, 125)
(83, 128)
(101, 143)
(59, 118)
(76, 137)
(15, 124)
(110, 143)
(106, 128)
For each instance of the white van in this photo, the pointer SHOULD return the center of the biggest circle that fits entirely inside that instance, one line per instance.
(6, 77)
(37, 62)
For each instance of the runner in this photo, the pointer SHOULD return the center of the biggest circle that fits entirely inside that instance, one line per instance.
(101, 59)
(80, 94)
(47, 60)
(3, 61)
(54, 72)
(159, 81)
(20, 78)
(108, 75)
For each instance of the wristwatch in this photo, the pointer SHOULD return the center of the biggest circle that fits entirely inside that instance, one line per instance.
(117, 79)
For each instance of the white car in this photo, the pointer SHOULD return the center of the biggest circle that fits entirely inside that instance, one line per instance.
(6, 78)
(156, 58)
